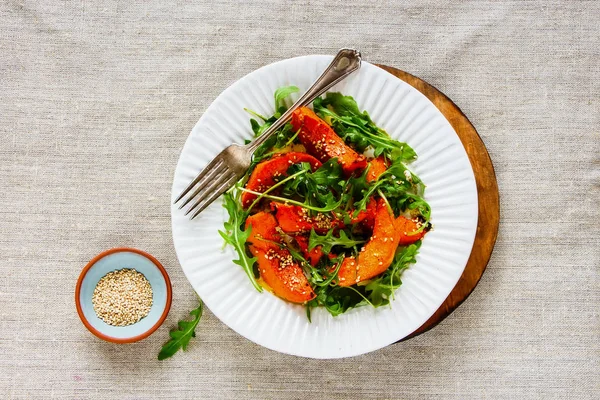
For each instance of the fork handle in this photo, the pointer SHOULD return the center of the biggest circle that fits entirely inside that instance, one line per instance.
(344, 63)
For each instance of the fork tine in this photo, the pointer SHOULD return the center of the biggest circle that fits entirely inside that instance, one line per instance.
(203, 203)
(206, 179)
(210, 188)
(215, 163)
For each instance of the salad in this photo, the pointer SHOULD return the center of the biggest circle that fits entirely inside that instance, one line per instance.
(328, 215)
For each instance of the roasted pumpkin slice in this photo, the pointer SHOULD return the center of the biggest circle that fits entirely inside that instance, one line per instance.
(294, 219)
(377, 255)
(266, 173)
(322, 142)
(276, 266)
(376, 168)
(406, 229)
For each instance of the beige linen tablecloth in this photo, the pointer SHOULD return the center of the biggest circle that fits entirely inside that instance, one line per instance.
(98, 97)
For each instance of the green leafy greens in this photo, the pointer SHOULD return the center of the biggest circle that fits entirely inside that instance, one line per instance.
(329, 240)
(327, 194)
(380, 290)
(180, 337)
(358, 129)
(280, 95)
(281, 138)
(236, 236)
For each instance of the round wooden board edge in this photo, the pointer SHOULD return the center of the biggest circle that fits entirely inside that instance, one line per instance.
(488, 197)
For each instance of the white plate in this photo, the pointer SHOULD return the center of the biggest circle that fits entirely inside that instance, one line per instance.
(443, 165)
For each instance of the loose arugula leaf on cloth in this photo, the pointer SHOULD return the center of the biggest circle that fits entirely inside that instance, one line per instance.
(358, 129)
(236, 236)
(329, 240)
(180, 337)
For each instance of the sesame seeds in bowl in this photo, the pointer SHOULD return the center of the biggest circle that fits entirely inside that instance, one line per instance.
(123, 295)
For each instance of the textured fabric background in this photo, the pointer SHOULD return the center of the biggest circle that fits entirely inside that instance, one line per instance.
(98, 97)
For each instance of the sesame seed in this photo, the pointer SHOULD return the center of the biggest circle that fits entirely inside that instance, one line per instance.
(122, 297)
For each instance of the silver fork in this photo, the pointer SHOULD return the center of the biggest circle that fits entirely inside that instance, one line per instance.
(231, 164)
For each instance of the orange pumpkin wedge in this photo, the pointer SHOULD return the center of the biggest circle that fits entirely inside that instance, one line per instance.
(294, 219)
(265, 173)
(406, 228)
(377, 255)
(322, 142)
(376, 168)
(276, 266)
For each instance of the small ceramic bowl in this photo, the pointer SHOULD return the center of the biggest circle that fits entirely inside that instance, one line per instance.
(116, 259)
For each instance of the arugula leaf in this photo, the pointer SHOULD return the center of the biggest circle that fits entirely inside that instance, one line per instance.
(338, 299)
(180, 337)
(283, 137)
(235, 236)
(279, 140)
(358, 129)
(319, 188)
(280, 95)
(338, 264)
(329, 174)
(343, 105)
(328, 241)
(376, 292)
(401, 188)
(408, 201)
(330, 205)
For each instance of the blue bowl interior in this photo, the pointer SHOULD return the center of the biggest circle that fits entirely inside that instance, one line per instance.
(113, 262)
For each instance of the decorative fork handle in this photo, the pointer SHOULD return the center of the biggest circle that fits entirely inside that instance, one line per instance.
(344, 63)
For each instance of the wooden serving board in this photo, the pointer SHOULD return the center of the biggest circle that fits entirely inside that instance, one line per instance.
(487, 190)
